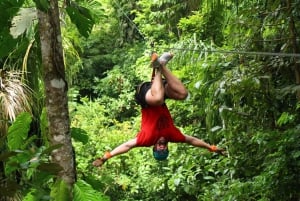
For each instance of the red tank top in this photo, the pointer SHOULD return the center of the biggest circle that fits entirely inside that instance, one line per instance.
(157, 122)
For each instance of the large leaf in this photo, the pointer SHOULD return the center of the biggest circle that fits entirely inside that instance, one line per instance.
(84, 192)
(7, 42)
(18, 131)
(22, 21)
(80, 135)
(8, 9)
(82, 18)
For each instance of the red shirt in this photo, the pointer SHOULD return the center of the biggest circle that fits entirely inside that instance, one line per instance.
(157, 122)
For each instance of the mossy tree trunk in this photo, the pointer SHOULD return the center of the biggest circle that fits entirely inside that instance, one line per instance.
(56, 89)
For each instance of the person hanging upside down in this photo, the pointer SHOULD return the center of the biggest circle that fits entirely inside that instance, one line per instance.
(157, 127)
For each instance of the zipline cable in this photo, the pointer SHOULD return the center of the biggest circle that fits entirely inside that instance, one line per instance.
(278, 54)
(128, 18)
(240, 52)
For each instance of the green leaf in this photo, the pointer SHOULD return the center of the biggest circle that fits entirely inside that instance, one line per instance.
(52, 168)
(285, 118)
(18, 131)
(22, 21)
(20, 160)
(8, 9)
(208, 178)
(82, 18)
(7, 42)
(296, 154)
(60, 191)
(42, 5)
(31, 196)
(44, 126)
(5, 156)
(83, 192)
(80, 135)
(50, 149)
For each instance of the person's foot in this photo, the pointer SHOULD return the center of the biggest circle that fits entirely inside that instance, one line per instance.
(158, 62)
(154, 60)
(165, 58)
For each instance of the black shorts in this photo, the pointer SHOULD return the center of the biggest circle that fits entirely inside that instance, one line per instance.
(140, 93)
(141, 90)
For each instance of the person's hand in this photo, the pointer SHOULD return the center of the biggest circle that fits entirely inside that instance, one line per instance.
(221, 151)
(214, 148)
(99, 162)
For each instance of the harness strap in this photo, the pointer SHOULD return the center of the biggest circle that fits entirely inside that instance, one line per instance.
(153, 74)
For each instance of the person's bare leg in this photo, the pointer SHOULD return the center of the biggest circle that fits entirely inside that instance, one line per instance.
(174, 88)
(155, 96)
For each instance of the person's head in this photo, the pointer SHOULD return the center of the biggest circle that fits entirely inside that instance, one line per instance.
(160, 149)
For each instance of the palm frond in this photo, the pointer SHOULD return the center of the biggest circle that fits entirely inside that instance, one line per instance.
(15, 97)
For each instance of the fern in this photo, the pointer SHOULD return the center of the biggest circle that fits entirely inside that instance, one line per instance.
(18, 131)
(60, 191)
(84, 192)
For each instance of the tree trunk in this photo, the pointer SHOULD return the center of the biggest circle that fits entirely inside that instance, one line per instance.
(56, 91)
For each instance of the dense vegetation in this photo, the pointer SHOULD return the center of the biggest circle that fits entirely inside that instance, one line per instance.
(238, 59)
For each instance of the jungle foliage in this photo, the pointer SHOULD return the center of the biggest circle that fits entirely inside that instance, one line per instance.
(239, 61)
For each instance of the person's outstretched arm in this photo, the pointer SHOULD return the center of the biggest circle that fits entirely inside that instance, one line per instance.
(200, 143)
(123, 148)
